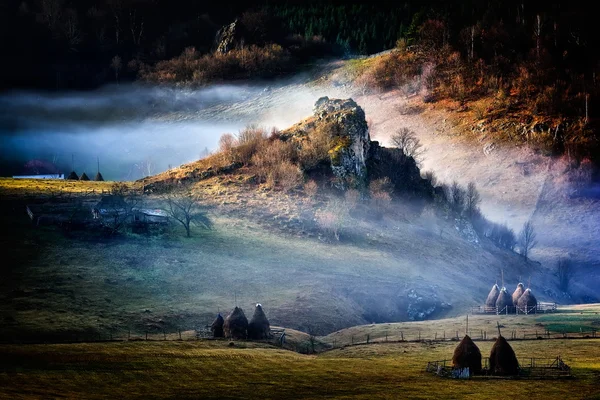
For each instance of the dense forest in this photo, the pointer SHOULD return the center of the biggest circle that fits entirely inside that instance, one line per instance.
(66, 44)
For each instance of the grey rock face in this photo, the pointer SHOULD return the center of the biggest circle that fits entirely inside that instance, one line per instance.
(350, 141)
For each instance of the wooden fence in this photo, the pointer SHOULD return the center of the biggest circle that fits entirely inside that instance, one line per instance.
(533, 368)
(540, 308)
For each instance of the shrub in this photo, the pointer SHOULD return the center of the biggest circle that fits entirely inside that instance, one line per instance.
(269, 156)
(247, 143)
(227, 146)
(311, 188)
(381, 199)
(315, 147)
(285, 175)
(333, 217)
(246, 62)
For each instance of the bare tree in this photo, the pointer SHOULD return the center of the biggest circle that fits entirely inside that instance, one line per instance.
(527, 238)
(564, 273)
(407, 140)
(186, 210)
(456, 197)
(472, 200)
(116, 66)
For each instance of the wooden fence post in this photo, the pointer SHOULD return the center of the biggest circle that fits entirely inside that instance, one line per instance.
(368, 337)
(179, 334)
(146, 335)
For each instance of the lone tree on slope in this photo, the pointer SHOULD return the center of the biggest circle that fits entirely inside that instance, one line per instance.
(527, 238)
(186, 210)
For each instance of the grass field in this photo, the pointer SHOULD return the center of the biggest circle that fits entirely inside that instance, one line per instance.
(213, 370)
(573, 321)
(80, 286)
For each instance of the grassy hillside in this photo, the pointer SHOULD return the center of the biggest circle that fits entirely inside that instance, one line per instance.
(80, 286)
(211, 370)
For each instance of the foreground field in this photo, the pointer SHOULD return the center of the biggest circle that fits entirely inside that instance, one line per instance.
(214, 370)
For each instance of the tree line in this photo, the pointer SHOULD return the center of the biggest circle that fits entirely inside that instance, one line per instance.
(61, 44)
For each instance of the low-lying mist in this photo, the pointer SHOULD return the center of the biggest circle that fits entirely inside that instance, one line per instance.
(137, 130)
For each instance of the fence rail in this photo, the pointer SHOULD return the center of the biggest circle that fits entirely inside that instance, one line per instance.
(537, 368)
(542, 307)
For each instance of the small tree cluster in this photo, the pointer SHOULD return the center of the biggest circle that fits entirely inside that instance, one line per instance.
(408, 141)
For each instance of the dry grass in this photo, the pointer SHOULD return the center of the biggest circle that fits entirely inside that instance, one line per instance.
(209, 370)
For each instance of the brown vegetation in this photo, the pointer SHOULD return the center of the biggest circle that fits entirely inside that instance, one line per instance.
(238, 63)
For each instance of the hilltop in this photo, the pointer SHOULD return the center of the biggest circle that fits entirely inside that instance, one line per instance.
(361, 238)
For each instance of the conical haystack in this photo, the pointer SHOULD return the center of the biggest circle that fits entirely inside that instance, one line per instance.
(503, 360)
(259, 327)
(99, 177)
(504, 300)
(84, 177)
(518, 293)
(467, 355)
(217, 326)
(73, 176)
(493, 296)
(527, 301)
(236, 325)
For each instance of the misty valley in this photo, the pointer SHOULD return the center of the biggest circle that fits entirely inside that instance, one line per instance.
(299, 200)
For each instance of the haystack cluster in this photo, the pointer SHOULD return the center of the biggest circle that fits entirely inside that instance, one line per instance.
(521, 299)
(503, 360)
(236, 325)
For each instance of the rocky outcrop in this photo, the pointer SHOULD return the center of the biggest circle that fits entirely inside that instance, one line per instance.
(227, 37)
(349, 140)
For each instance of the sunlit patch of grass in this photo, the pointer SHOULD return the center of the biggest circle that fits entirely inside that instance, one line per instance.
(210, 369)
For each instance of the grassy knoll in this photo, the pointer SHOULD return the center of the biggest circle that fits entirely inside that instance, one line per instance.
(214, 370)
(574, 321)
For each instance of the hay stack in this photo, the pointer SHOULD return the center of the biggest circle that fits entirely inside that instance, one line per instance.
(504, 300)
(259, 327)
(467, 355)
(493, 296)
(527, 300)
(99, 177)
(517, 293)
(236, 325)
(503, 360)
(84, 177)
(73, 176)
(217, 326)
